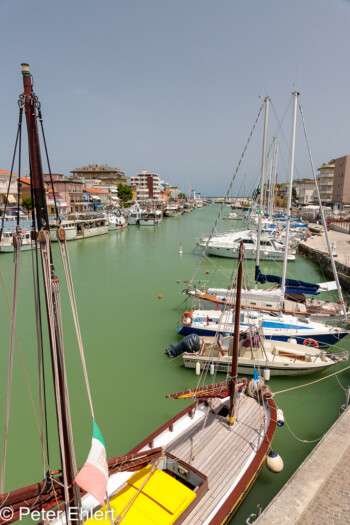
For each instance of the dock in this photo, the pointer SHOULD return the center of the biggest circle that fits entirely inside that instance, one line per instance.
(315, 247)
(318, 492)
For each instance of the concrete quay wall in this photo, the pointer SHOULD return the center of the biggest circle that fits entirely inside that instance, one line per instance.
(315, 248)
(318, 492)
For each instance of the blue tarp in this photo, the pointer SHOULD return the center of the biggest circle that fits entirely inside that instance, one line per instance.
(292, 285)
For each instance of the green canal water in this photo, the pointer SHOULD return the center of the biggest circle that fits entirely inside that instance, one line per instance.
(125, 329)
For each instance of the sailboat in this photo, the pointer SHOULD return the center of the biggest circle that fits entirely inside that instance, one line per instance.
(196, 468)
(286, 300)
(255, 351)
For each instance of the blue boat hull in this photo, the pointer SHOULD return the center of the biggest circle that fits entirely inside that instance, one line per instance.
(323, 340)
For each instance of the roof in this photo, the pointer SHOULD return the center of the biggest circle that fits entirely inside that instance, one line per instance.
(94, 190)
(94, 167)
(25, 180)
(4, 172)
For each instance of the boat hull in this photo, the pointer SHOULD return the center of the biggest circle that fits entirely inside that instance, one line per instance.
(246, 368)
(232, 499)
(323, 339)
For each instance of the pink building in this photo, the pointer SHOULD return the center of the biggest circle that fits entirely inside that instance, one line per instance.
(341, 182)
(69, 194)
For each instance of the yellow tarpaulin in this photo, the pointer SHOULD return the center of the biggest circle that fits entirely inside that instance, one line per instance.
(157, 499)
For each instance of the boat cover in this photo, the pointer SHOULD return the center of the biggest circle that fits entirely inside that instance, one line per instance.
(292, 285)
(157, 499)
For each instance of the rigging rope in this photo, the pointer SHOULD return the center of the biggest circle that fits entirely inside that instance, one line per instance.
(70, 286)
(16, 256)
(227, 193)
(48, 162)
(18, 136)
(22, 362)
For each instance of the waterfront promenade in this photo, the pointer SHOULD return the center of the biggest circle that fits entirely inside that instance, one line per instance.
(319, 491)
(315, 247)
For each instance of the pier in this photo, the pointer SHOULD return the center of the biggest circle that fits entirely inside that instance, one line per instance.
(315, 247)
(318, 492)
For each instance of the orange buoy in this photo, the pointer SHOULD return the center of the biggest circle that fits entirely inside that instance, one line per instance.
(207, 272)
(204, 261)
(159, 296)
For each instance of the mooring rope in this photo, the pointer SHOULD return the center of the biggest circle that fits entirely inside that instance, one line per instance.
(311, 383)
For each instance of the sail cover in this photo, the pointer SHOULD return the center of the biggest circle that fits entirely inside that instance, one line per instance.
(292, 285)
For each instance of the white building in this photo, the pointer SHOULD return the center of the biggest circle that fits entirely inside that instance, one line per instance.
(325, 179)
(306, 191)
(147, 186)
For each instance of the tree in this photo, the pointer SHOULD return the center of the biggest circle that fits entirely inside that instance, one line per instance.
(124, 193)
(27, 203)
(182, 196)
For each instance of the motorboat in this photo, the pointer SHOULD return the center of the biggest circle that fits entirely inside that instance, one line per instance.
(255, 351)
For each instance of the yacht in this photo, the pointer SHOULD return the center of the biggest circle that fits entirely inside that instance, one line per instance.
(227, 245)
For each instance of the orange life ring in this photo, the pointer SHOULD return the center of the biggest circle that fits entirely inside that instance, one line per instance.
(187, 319)
(311, 342)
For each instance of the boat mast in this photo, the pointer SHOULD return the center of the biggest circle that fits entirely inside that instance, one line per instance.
(52, 296)
(289, 203)
(324, 224)
(263, 160)
(233, 381)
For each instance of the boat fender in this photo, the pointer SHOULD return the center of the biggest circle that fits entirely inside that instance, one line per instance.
(280, 417)
(198, 368)
(212, 369)
(274, 462)
(292, 340)
(187, 319)
(266, 374)
(310, 342)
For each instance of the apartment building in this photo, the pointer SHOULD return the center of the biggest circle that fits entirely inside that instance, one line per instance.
(104, 173)
(325, 178)
(341, 184)
(147, 186)
(306, 191)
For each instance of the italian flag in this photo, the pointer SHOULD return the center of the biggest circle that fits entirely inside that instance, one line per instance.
(93, 476)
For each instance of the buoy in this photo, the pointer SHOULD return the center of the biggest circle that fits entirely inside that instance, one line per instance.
(207, 272)
(178, 282)
(204, 261)
(266, 374)
(159, 296)
(180, 252)
(274, 462)
(280, 417)
(198, 368)
(211, 369)
(292, 340)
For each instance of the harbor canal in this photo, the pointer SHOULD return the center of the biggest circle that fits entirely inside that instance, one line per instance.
(125, 329)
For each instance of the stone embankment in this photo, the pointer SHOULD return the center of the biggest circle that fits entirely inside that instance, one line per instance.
(319, 491)
(315, 247)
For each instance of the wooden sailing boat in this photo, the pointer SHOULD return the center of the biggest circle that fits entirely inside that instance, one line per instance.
(196, 468)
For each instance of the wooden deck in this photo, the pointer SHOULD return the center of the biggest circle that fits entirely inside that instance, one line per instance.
(219, 452)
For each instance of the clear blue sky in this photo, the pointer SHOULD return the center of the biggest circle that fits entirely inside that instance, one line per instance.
(173, 86)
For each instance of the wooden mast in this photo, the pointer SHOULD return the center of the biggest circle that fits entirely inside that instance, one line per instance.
(52, 296)
(233, 381)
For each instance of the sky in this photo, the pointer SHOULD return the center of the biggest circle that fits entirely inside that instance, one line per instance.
(174, 87)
